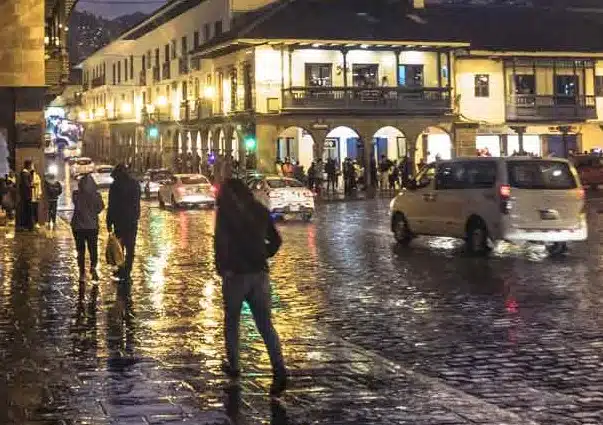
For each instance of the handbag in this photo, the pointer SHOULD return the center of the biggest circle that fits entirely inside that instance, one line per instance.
(114, 254)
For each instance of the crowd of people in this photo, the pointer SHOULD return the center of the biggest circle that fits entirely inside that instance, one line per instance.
(325, 176)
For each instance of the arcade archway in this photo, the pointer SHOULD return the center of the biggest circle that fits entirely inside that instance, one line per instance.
(297, 145)
(433, 143)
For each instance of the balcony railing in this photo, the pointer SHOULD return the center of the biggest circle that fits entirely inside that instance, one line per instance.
(165, 71)
(142, 78)
(415, 100)
(183, 65)
(98, 81)
(529, 107)
(156, 75)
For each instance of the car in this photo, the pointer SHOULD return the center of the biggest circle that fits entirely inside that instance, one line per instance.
(187, 190)
(71, 151)
(152, 180)
(590, 169)
(283, 196)
(102, 175)
(482, 200)
(82, 165)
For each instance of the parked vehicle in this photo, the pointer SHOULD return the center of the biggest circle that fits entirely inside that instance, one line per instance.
(187, 190)
(82, 165)
(102, 175)
(152, 180)
(487, 199)
(590, 169)
(283, 196)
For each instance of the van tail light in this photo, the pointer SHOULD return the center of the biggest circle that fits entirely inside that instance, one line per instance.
(505, 198)
(505, 191)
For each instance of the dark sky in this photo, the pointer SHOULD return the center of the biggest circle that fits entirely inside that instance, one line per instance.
(114, 8)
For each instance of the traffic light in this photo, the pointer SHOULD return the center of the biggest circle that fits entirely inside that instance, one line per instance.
(250, 144)
(153, 132)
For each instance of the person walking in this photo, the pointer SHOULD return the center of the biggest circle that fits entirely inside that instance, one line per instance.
(123, 214)
(53, 189)
(24, 218)
(245, 237)
(331, 170)
(87, 205)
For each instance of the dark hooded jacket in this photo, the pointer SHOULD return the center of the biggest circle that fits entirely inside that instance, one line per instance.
(245, 236)
(87, 204)
(124, 201)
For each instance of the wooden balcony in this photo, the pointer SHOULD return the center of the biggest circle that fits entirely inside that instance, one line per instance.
(98, 81)
(528, 107)
(183, 66)
(403, 100)
(165, 71)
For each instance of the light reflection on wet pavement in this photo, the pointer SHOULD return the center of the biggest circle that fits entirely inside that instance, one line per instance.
(373, 333)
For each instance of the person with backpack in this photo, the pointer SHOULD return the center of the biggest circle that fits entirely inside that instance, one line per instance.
(53, 189)
(245, 237)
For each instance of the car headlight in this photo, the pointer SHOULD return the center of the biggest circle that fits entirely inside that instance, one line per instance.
(53, 169)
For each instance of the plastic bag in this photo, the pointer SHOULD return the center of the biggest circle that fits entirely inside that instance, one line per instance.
(114, 254)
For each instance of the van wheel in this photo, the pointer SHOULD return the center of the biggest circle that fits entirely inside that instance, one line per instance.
(477, 237)
(556, 248)
(401, 230)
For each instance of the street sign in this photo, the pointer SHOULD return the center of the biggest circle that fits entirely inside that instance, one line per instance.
(331, 142)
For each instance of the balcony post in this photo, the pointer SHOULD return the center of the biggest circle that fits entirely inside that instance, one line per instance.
(449, 67)
(397, 53)
(290, 67)
(344, 52)
(439, 66)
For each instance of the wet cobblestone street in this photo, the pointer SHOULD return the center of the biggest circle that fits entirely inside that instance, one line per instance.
(372, 333)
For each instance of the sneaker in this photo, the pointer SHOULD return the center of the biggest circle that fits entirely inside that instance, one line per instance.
(94, 274)
(279, 385)
(229, 371)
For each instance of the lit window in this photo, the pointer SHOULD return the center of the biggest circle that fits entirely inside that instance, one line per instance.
(482, 85)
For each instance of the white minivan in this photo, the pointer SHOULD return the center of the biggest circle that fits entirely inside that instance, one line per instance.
(481, 200)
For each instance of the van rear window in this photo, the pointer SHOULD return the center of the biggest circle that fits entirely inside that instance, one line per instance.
(553, 175)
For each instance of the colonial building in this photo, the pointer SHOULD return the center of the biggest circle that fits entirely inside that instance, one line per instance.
(310, 79)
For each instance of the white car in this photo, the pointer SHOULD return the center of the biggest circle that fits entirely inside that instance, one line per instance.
(152, 180)
(71, 151)
(187, 190)
(483, 200)
(283, 196)
(82, 165)
(102, 175)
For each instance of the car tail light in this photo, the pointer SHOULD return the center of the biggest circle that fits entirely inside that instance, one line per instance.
(213, 189)
(505, 198)
(581, 194)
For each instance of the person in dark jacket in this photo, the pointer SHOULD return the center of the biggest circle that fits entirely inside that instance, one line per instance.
(25, 215)
(87, 205)
(53, 189)
(245, 237)
(123, 214)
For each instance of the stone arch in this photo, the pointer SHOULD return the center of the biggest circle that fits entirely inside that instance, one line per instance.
(434, 142)
(297, 144)
(390, 141)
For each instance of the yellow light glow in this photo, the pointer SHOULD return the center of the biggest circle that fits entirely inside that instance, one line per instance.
(150, 108)
(126, 108)
(161, 101)
(82, 116)
(100, 112)
(364, 46)
(209, 92)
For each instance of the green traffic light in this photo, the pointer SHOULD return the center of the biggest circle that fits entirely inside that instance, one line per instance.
(250, 143)
(153, 132)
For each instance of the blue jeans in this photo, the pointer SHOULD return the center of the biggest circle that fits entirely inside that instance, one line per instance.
(255, 289)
